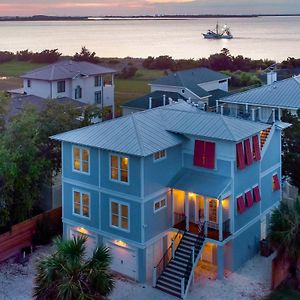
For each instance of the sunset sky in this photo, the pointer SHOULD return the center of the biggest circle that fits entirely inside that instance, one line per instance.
(138, 7)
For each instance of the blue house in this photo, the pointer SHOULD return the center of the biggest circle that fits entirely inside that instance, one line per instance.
(171, 186)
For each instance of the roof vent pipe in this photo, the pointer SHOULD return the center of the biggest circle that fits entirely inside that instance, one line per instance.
(150, 102)
(164, 100)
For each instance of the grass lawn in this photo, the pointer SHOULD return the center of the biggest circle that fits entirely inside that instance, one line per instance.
(284, 292)
(16, 68)
(128, 89)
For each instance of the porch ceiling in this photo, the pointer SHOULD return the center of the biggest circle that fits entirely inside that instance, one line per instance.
(202, 183)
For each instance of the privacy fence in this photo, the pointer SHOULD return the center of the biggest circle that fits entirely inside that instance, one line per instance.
(21, 235)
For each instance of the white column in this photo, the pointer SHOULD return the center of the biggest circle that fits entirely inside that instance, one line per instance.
(279, 114)
(172, 205)
(273, 115)
(222, 109)
(253, 114)
(186, 209)
(205, 216)
(220, 220)
(246, 107)
(217, 105)
(259, 113)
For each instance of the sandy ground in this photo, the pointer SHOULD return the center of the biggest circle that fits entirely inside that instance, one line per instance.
(250, 282)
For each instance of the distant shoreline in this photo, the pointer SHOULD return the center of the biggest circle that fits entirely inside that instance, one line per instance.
(145, 17)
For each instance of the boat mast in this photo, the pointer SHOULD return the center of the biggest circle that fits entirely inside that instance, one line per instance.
(217, 28)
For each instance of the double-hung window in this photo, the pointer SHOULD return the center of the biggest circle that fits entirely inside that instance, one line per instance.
(81, 159)
(78, 92)
(119, 168)
(28, 83)
(98, 97)
(97, 80)
(159, 155)
(81, 204)
(119, 215)
(61, 86)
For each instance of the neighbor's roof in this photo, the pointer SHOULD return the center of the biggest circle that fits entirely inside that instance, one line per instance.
(19, 102)
(66, 69)
(157, 100)
(281, 94)
(144, 133)
(212, 185)
(190, 79)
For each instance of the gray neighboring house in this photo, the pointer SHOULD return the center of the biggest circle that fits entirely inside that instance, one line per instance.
(264, 103)
(200, 85)
(82, 81)
(151, 100)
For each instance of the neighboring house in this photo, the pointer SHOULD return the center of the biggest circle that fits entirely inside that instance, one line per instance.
(199, 85)
(83, 81)
(141, 184)
(151, 100)
(264, 103)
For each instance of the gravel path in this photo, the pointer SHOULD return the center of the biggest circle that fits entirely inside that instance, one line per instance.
(251, 282)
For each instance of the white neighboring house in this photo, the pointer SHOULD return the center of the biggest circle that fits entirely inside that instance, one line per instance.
(199, 85)
(82, 81)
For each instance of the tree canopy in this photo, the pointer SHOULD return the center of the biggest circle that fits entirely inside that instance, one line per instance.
(29, 159)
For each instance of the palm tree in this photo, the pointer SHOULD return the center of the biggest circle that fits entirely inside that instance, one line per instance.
(285, 233)
(68, 274)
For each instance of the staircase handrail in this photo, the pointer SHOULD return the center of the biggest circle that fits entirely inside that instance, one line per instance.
(166, 258)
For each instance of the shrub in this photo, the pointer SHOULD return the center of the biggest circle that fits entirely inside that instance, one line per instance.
(24, 55)
(86, 55)
(127, 72)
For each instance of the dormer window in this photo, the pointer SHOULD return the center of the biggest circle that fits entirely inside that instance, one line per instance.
(61, 86)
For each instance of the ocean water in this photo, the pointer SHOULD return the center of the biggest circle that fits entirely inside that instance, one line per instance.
(263, 37)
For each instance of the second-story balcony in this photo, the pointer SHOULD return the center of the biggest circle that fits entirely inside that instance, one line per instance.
(202, 198)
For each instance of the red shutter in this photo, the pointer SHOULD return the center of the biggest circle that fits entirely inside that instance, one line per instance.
(240, 204)
(256, 148)
(249, 199)
(256, 194)
(199, 153)
(248, 153)
(276, 184)
(240, 156)
(209, 155)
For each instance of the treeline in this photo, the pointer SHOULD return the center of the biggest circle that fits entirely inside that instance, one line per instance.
(219, 61)
(45, 56)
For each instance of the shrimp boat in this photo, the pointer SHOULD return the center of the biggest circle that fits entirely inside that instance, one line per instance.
(223, 33)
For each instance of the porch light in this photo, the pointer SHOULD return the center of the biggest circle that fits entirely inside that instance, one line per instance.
(192, 195)
(120, 243)
(82, 230)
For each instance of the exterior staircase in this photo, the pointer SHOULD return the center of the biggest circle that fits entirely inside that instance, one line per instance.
(176, 277)
(263, 137)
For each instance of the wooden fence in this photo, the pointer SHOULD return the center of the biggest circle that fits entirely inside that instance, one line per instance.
(21, 234)
(280, 270)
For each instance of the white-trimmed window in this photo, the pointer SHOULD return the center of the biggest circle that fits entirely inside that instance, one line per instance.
(98, 80)
(81, 159)
(61, 86)
(160, 155)
(81, 204)
(119, 215)
(160, 204)
(119, 168)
